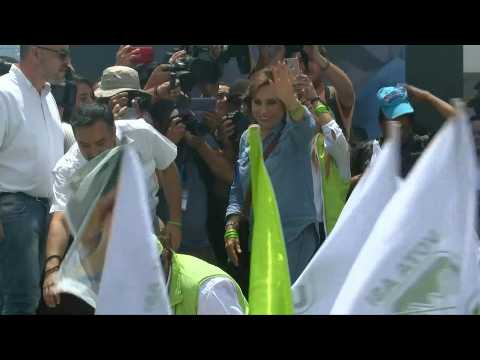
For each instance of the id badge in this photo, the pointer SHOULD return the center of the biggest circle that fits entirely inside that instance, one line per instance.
(184, 199)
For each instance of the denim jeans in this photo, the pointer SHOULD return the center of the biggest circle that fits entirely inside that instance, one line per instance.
(22, 252)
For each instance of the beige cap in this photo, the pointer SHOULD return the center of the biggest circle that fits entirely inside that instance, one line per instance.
(117, 79)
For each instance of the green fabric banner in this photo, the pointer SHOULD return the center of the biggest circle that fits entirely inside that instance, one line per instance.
(270, 289)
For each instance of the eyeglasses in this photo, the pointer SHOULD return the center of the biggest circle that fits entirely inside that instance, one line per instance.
(63, 54)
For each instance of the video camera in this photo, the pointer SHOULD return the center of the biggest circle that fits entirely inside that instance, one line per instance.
(200, 65)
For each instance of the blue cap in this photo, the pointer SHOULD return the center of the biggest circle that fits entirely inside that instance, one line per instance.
(394, 101)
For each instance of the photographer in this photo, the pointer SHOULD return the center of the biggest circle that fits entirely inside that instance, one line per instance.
(120, 88)
(200, 163)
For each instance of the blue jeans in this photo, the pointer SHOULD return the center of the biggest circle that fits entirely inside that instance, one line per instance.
(301, 250)
(22, 252)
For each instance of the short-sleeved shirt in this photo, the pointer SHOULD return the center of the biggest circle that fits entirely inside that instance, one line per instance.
(155, 152)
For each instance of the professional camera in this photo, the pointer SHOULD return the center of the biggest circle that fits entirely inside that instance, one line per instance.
(241, 123)
(200, 65)
(193, 123)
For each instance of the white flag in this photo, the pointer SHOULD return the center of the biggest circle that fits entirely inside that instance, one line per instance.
(132, 281)
(411, 262)
(317, 287)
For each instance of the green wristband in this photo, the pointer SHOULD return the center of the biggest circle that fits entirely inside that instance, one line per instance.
(231, 234)
(321, 109)
(175, 223)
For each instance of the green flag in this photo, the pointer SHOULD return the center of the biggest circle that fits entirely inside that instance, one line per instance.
(270, 289)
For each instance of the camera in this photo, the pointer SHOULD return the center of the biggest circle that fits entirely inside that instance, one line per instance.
(200, 66)
(241, 123)
(193, 123)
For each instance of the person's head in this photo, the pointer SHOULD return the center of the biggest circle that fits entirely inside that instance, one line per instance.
(94, 129)
(394, 106)
(262, 103)
(222, 99)
(311, 68)
(50, 62)
(123, 79)
(161, 113)
(475, 120)
(84, 91)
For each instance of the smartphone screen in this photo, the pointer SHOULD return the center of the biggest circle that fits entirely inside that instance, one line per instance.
(145, 55)
(293, 66)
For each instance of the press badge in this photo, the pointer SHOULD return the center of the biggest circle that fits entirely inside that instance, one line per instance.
(184, 199)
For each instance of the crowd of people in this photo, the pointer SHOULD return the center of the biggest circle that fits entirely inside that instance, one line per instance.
(195, 162)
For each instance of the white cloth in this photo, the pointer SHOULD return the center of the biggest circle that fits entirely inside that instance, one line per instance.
(316, 289)
(155, 152)
(414, 258)
(132, 280)
(218, 296)
(69, 136)
(31, 137)
(338, 148)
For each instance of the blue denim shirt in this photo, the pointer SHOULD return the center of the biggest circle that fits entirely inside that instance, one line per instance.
(290, 170)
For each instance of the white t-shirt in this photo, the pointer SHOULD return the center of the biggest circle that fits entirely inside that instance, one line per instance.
(155, 152)
(218, 296)
(31, 137)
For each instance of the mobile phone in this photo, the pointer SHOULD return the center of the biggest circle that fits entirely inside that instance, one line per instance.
(145, 55)
(293, 65)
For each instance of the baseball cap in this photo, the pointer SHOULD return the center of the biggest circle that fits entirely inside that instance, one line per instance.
(394, 101)
(117, 79)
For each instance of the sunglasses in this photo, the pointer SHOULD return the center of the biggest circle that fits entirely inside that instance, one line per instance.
(63, 54)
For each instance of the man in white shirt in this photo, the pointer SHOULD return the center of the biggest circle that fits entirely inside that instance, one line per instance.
(95, 132)
(31, 142)
(195, 287)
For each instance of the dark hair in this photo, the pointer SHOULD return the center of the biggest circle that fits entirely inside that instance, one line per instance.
(360, 157)
(88, 114)
(83, 80)
(24, 50)
(160, 113)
